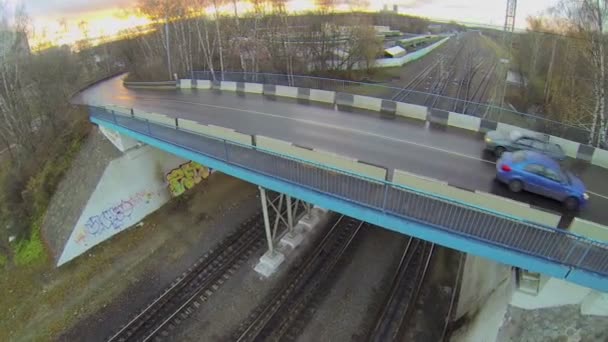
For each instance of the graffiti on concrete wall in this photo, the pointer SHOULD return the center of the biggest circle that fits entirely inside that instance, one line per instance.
(114, 217)
(185, 177)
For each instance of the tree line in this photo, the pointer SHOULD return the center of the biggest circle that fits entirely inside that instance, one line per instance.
(184, 37)
(40, 131)
(563, 58)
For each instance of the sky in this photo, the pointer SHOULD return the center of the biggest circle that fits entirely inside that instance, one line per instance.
(107, 17)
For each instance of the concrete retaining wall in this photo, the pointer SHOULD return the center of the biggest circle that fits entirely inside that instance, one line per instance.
(215, 131)
(468, 122)
(479, 199)
(321, 157)
(589, 229)
(480, 278)
(131, 187)
(367, 102)
(322, 96)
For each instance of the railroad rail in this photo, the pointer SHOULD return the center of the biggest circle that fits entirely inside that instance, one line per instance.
(194, 286)
(406, 284)
(274, 320)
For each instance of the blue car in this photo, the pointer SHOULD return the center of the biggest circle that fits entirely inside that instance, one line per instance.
(538, 173)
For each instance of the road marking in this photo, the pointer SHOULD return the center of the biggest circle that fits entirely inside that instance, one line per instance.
(316, 123)
(352, 130)
(598, 195)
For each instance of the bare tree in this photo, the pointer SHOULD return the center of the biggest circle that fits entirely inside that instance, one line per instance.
(589, 18)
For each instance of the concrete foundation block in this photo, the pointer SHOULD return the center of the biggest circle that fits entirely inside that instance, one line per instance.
(269, 263)
(293, 239)
(310, 221)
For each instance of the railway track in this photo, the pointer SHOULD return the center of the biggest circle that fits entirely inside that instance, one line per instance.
(275, 319)
(408, 279)
(195, 286)
(402, 95)
(446, 331)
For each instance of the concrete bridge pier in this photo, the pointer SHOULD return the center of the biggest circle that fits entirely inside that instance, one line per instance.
(282, 235)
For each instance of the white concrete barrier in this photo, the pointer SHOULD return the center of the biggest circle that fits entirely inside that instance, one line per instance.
(516, 209)
(570, 147)
(411, 111)
(255, 88)
(286, 91)
(367, 102)
(203, 84)
(589, 229)
(274, 145)
(156, 118)
(185, 84)
(322, 96)
(228, 85)
(215, 131)
(600, 158)
(321, 157)
(468, 122)
(479, 199)
(119, 109)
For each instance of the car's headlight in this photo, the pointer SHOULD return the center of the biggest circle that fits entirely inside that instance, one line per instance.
(488, 140)
(586, 196)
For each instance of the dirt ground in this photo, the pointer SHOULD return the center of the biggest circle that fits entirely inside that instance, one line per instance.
(87, 299)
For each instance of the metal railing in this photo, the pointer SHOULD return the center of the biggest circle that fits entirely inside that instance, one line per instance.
(443, 213)
(434, 101)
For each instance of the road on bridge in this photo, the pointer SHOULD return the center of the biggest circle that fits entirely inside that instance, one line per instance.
(433, 151)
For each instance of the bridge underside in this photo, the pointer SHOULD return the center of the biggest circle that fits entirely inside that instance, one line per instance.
(382, 218)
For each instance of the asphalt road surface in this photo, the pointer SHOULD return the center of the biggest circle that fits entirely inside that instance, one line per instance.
(438, 152)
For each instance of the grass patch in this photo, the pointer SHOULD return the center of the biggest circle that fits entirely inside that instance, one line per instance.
(31, 251)
(3, 261)
(495, 47)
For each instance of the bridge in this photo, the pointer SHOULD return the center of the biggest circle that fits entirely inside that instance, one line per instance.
(365, 165)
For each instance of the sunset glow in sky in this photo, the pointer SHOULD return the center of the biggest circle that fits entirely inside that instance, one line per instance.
(58, 20)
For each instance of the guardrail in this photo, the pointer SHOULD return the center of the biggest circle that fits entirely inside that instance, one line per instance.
(433, 101)
(444, 213)
(155, 85)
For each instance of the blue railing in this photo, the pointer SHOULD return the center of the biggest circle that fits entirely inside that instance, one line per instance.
(391, 199)
(433, 101)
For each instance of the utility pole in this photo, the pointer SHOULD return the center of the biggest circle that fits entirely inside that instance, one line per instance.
(168, 48)
(508, 42)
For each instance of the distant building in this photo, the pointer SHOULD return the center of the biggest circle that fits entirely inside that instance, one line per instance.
(16, 42)
(395, 52)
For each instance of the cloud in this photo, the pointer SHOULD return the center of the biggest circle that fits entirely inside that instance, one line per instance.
(66, 8)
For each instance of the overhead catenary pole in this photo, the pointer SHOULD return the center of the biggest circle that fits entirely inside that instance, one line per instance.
(168, 48)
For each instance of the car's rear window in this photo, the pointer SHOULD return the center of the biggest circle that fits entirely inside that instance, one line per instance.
(520, 156)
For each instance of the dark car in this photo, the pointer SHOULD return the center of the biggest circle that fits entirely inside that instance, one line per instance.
(499, 143)
(537, 173)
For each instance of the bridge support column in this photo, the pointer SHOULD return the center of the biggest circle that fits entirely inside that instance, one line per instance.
(280, 230)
